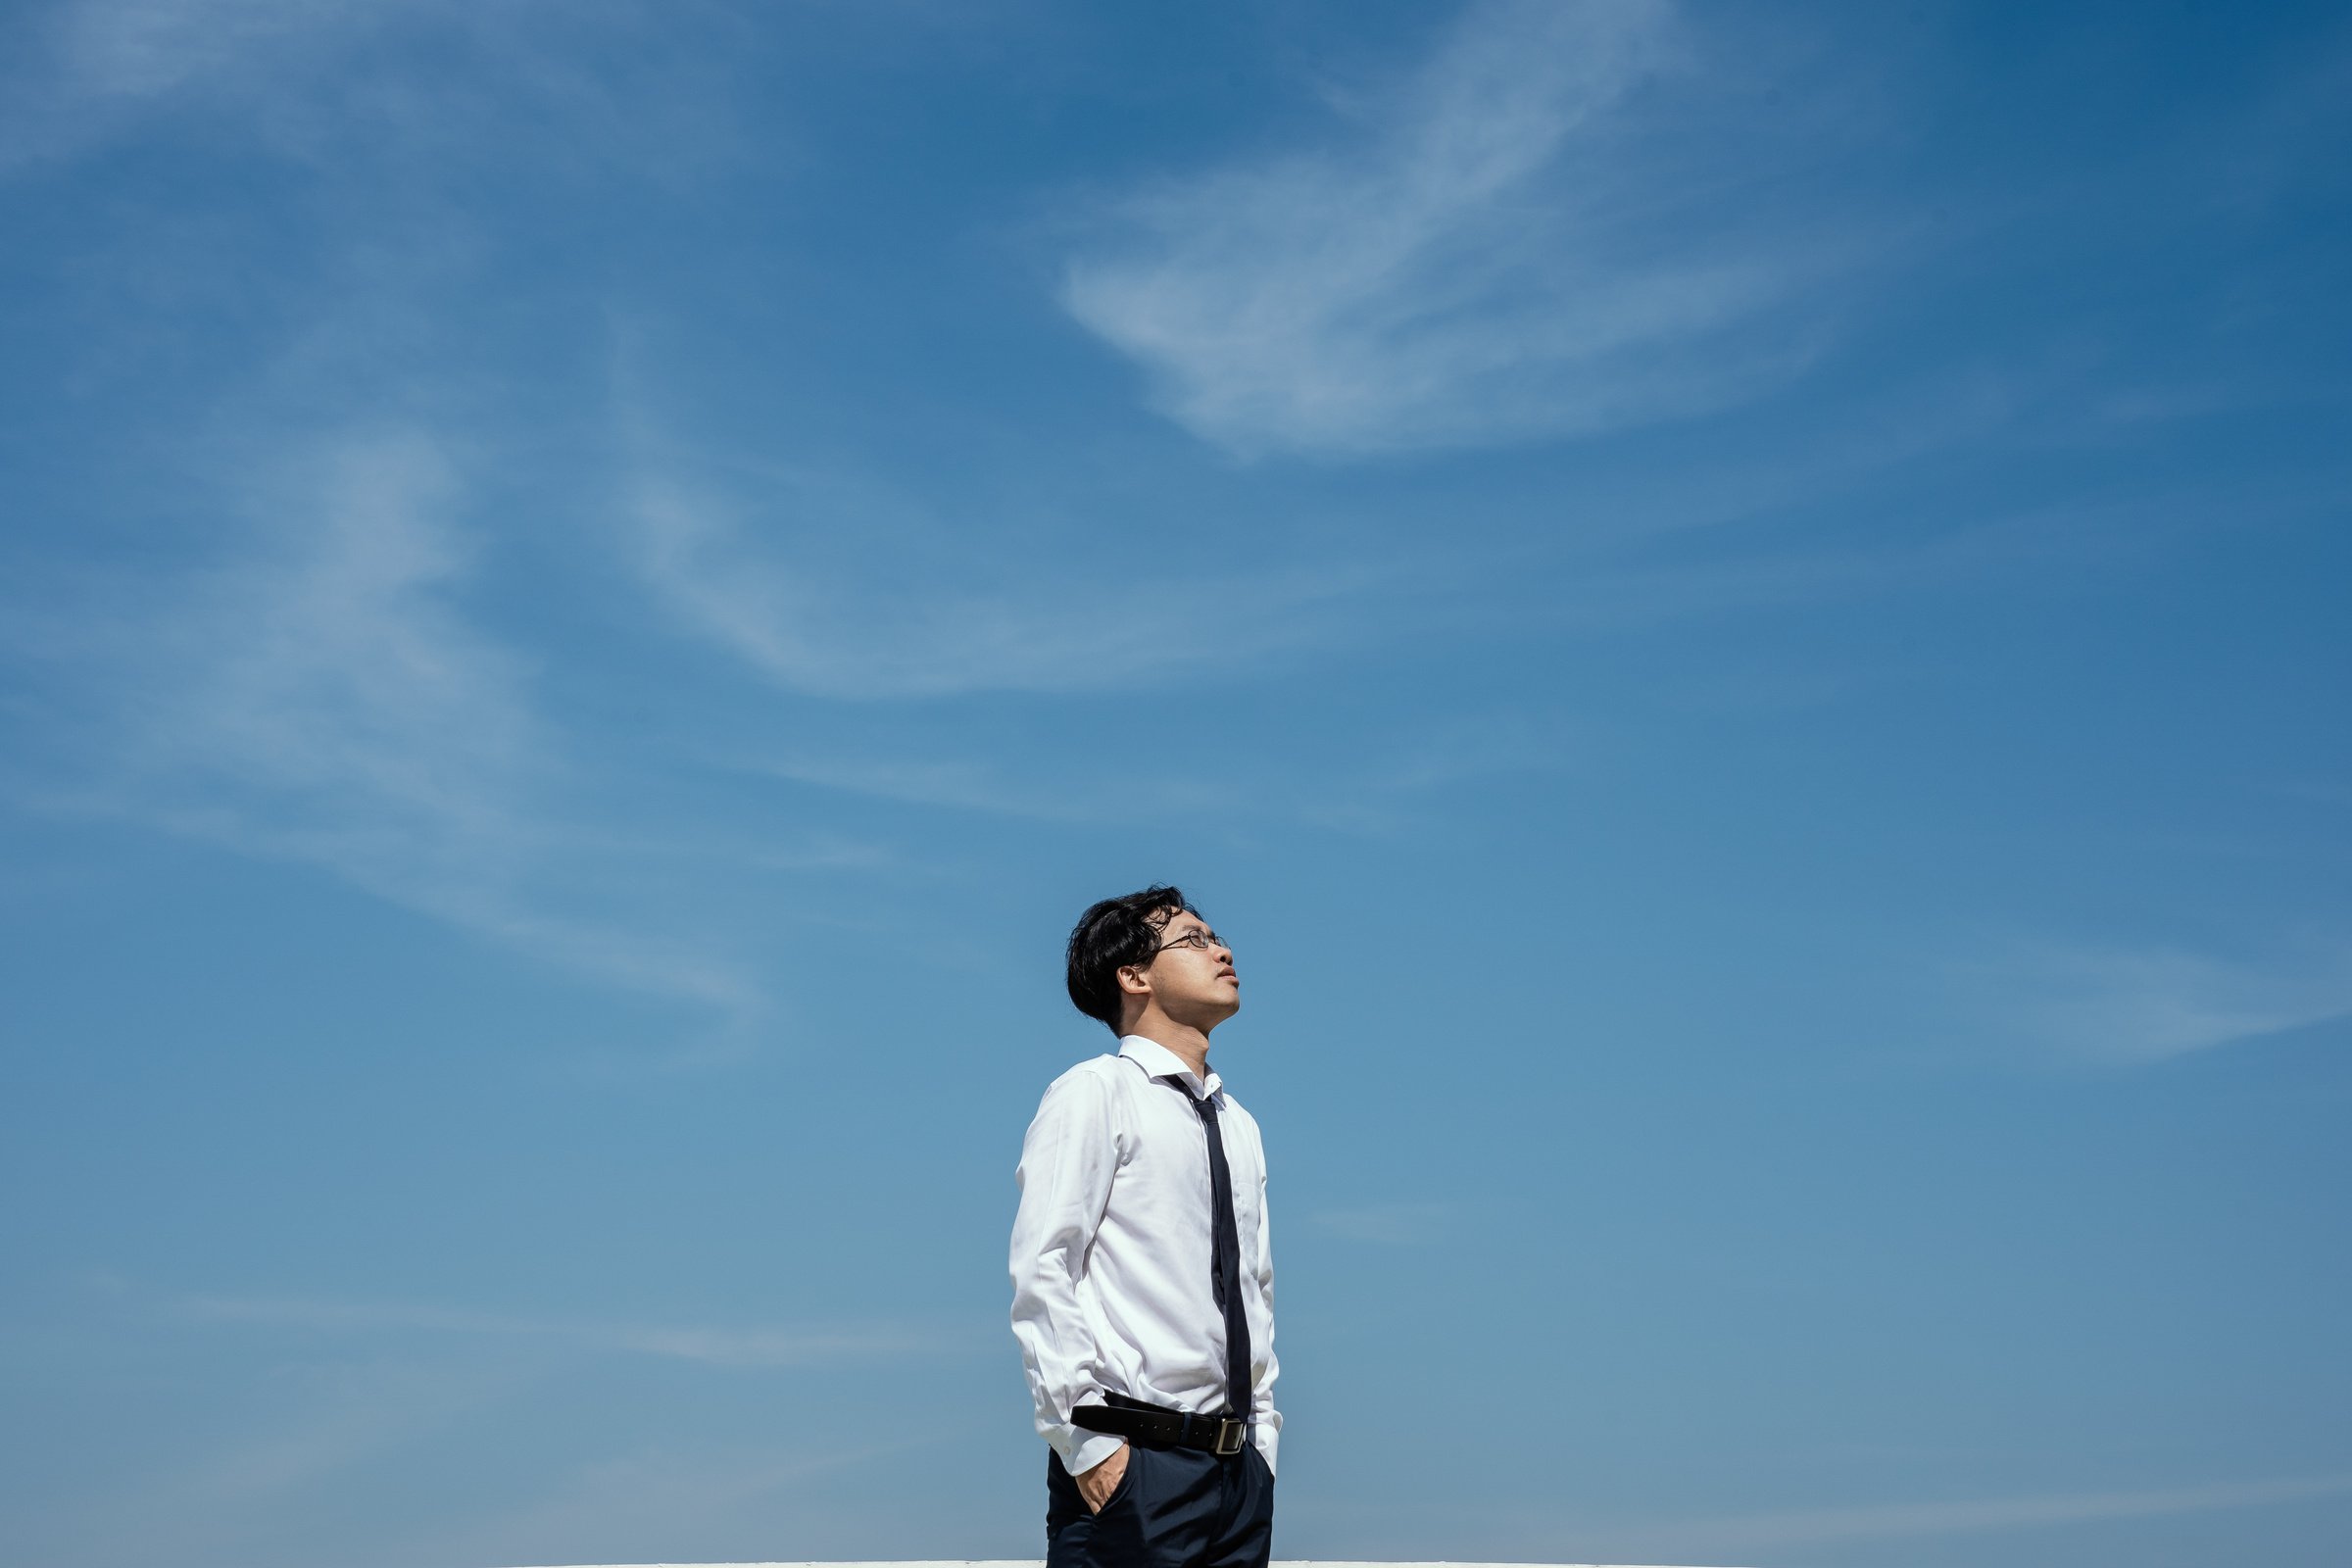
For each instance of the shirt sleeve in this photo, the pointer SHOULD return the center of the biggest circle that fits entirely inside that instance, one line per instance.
(1266, 1422)
(1068, 1158)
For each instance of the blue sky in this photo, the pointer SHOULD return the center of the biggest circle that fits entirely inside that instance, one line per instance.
(1738, 611)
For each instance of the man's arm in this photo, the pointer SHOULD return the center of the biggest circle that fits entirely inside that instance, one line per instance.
(1266, 1422)
(1067, 1162)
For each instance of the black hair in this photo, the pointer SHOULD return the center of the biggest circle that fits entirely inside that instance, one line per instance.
(1111, 935)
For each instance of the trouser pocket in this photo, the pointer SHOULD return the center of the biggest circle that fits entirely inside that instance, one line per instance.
(1124, 1492)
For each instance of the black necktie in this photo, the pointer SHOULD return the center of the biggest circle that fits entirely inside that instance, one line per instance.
(1225, 1271)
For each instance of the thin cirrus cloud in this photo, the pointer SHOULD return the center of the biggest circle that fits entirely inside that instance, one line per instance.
(915, 612)
(85, 69)
(228, 1491)
(2125, 1005)
(1367, 791)
(1803, 1527)
(747, 1350)
(732, 1492)
(1514, 244)
(129, 49)
(970, 784)
(321, 698)
(327, 83)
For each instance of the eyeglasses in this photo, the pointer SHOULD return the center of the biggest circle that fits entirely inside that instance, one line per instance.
(1201, 941)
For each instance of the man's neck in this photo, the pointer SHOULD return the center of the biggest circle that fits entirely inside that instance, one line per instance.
(1190, 1044)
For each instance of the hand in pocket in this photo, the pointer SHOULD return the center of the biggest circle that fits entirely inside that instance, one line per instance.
(1096, 1485)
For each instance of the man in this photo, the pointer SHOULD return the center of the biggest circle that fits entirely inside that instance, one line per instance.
(1142, 1280)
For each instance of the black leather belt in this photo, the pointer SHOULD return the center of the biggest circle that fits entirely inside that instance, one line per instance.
(1157, 1423)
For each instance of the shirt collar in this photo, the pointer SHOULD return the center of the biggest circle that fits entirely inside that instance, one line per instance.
(1161, 1062)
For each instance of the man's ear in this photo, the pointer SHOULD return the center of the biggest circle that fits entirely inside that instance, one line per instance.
(1133, 981)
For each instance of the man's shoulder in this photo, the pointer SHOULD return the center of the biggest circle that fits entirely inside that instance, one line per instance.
(1095, 1074)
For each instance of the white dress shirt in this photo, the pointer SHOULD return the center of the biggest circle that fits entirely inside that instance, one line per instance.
(1112, 1252)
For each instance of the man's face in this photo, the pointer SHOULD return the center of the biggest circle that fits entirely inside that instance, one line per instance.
(1192, 977)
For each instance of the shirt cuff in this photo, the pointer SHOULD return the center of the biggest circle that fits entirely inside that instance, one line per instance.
(1080, 1450)
(1265, 1435)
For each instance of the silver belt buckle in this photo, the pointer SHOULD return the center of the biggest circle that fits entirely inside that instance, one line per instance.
(1228, 1438)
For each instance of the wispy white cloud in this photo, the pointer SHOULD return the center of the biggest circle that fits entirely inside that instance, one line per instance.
(967, 784)
(321, 698)
(856, 606)
(751, 1348)
(83, 71)
(1764, 1532)
(1376, 790)
(345, 1414)
(702, 1503)
(2128, 1005)
(317, 79)
(350, 1381)
(225, 1489)
(1506, 249)
(834, 852)
(131, 49)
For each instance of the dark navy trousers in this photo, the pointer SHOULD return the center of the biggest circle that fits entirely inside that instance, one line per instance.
(1173, 1508)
